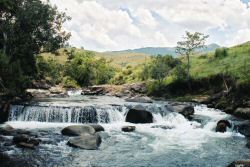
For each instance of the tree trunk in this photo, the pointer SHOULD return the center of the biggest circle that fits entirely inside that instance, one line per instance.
(188, 67)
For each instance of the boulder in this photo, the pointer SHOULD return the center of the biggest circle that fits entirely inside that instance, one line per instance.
(139, 99)
(128, 128)
(138, 115)
(86, 141)
(77, 130)
(242, 112)
(98, 128)
(240, 163)
(184, 109)
(222, 126)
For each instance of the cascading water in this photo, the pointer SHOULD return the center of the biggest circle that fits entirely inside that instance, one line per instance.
(171, 140)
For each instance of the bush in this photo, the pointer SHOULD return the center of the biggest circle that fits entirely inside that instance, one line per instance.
(221, 52)
(88, 70)
(70, 83)
(49, 69)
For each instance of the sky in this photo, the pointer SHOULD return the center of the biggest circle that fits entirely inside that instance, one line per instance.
(105, 25)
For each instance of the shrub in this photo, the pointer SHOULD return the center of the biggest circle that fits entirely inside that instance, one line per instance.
(221, 52)
(69, 82)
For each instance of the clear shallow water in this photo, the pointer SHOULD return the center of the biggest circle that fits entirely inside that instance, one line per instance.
(188, 143)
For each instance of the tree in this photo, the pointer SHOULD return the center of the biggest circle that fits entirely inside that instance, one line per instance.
(191, 43)
(27, 28)
(159, 67)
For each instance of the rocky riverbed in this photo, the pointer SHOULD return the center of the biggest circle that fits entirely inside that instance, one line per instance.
(110, 131)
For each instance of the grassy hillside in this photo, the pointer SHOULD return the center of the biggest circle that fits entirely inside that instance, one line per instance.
(119, 59)
(235, 63)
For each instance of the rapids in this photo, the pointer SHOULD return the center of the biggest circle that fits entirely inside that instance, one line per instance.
(186, 143)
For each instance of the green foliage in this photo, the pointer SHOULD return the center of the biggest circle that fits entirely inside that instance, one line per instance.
(221, 52)
(159, 67)
(69, 82)
(88, 70)
(27, 28)
(12, 80)
(49, 69)
(191, 43)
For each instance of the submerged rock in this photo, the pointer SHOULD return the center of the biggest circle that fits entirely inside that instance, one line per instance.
(86, 141)
(25, 141)
(128, 128)
(77, 130)
(138, 115)
(222, 126)
(139, 99)
(240, 163)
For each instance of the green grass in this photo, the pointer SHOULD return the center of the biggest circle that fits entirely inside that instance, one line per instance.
(236, 63)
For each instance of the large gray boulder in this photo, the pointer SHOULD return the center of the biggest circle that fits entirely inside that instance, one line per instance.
(139, 115)
(86, 141)
(77, 130)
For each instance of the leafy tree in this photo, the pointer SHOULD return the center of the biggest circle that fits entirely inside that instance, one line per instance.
(49, 69)
(27, 28)
(87, 70)
(191, 43)
(159, 67)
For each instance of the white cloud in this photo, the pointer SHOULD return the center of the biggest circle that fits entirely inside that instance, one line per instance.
(117, 24)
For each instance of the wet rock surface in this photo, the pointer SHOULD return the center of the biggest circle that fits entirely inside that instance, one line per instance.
(185, 109)
(86, 141)
(77, 130)
(138, 115)
(222, 126)
(128, 128)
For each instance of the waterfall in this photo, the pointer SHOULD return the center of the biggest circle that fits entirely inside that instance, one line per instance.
(80, 114)
(85, 114)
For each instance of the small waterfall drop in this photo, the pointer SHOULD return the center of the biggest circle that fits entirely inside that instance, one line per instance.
(84, 114)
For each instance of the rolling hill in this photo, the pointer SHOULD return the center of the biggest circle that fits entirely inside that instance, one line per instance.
(161, 50)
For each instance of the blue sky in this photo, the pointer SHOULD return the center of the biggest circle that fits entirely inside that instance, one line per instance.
(126, 24)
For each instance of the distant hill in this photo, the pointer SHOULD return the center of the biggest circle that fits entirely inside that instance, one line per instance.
(153, 51)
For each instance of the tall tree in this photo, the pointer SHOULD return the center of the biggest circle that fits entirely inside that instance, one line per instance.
(191, 43)
(27, 28)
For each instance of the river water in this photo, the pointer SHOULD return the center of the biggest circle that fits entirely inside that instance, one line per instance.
(184, 143)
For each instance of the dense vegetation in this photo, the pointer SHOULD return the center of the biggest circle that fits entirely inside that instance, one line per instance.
(22, 38)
